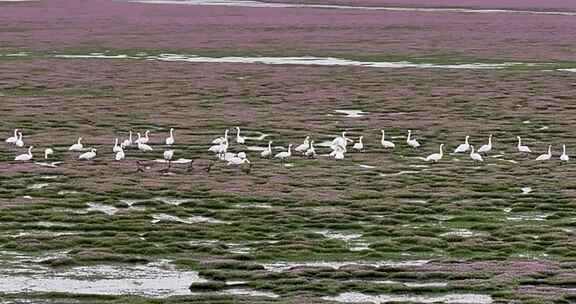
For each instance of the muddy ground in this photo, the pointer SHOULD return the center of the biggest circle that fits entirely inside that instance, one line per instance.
(455, 227)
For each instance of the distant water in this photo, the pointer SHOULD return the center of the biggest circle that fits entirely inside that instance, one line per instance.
(250, 3)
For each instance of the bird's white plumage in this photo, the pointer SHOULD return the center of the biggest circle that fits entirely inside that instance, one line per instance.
(25, 156)
(463, 147)
(435, 157)
(486, 148)
(412, 142)
(521, 148)
(88, 155)
(77, 146)
(385, 143)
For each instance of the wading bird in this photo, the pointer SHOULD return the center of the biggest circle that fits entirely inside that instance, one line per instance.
(26, 156)
(385, 143)
(463, 147)
(435, 157)
(412, 142)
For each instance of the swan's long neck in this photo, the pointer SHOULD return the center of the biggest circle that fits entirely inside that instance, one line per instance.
(269, 146)
(289, 150)
(563, 149)
(490, 140)
(409, 134)
(238, 132)
(466, 140)
(360, 139)
(116, 142)
(130, 136)
(383, 135)
(549, 150)
(79, 140)
(146, 134)
(15, 132)
(30, 151)
(441, 152)
(519, 141)
(171, 132)
(20, 136)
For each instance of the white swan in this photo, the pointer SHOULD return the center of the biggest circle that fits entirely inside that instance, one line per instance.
(311, 152)
(13, 139)
(285, 154)
(304, 146)
(486, 148)
(337, 153)
(170, 140)
(88, 155)
(128, 142)
(564, 157)
(116, 148)
(219, 148)
(385, 143)
(168, 154)
(241, 155)
(221, 140)
(144, 147)
(238, 161)
(77, 146)
(412, 142)
(26, 156)
(359, 146)
(521, 148)
(47, 152)
(19, 141)
(341, 141)
(546, 156)
(476, 157)
(435, 157)
(120, 155)
(463, 147)
(239, 139)
(143, 140)
(268, 152)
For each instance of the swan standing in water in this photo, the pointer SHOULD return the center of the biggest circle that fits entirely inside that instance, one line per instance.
(170, 140)
(412, 142)
(564, 157)
(546, 156)
(13, 139)
(128, 142)
(26, 156)
(120, 155)
(486, 148)
(238, 161)
(116, 148)
(221, 140)
(476, 157)
(168, 154)
(143, 140)
(338, 153)
(463, 147)
(77, 146)
(304, 146)
(341, 141)
(435, 157)
(144, 147)
(385, 143)
(19, 141)
(284, 155)
(88, 155)
(359, 146)
(239, 139)
(311, 152)
(521, 148)
(268, 152)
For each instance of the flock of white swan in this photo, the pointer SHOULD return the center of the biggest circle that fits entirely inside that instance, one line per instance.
(220, 148)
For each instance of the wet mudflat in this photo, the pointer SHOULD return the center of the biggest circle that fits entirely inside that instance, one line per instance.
(380, 226)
